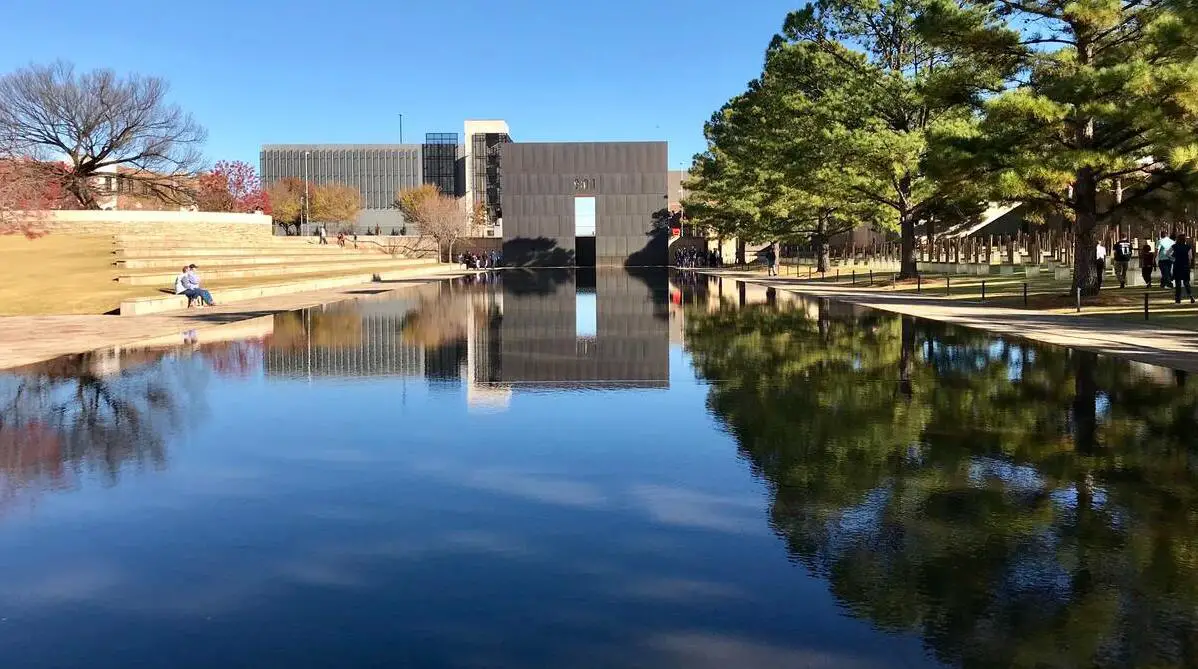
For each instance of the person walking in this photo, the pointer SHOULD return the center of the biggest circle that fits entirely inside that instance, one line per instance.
(1122, 252)
(1183, 257)
(1147, 263)
(1164, 259)
(323, 233)
(1100, 261)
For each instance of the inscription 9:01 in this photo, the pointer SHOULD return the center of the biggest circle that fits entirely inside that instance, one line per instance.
(584, 183)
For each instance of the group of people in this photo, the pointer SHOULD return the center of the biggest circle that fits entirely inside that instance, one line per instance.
(1173, 255)
(485, 260)
(323, 234)
(188, 284)
(692, 257)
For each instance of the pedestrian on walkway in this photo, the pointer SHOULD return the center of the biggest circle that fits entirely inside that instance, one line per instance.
(1100, 261)
(1147, 263)
(1164, 259)
(1122, 259)
(1183, 257)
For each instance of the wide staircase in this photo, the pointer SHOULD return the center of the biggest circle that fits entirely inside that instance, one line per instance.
(239, 268)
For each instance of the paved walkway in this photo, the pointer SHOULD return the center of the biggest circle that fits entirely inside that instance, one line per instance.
(1152, 344)
(28, 339)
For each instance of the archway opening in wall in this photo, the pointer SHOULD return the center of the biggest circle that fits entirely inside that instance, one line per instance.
(584, 251)
(584, 231)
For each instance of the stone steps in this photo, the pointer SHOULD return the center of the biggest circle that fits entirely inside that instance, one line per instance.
(150, 305)
(238, 251)
(175, 261)
(351, 266)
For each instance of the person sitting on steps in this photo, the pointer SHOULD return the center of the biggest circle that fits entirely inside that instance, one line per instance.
(191, 282)
(181, 287)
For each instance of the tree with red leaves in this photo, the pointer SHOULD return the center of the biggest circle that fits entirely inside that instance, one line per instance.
(28, 189)
(232, 186)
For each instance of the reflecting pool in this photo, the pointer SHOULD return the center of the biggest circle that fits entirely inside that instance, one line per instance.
(597, 469)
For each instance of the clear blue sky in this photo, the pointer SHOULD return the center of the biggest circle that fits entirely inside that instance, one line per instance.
(271, 71)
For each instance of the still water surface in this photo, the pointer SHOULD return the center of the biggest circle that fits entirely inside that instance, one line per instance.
(612, 470)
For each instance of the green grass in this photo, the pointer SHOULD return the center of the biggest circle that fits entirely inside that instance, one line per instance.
(1044, 294)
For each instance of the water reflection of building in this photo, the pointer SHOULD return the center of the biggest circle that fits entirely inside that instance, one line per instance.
(367, 345)
(538, 328)
(597, 329)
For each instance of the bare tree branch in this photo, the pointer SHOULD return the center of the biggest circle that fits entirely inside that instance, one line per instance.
(96, 122)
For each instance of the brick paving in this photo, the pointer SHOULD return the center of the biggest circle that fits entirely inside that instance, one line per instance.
(1145, 342)
(28, 339)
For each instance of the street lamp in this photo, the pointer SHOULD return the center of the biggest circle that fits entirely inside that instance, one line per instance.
(307, 220)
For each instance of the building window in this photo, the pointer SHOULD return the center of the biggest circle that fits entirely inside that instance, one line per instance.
(584, 216)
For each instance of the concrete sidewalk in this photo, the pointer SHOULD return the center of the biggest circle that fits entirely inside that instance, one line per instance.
(1148, 343)
(25, 340)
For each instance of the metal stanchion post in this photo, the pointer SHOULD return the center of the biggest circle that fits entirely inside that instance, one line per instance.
(1079, 298)
(871, 278)
(1025, 293)
(1145, 306)
(919, 283)
(854, 277)
(948, 285)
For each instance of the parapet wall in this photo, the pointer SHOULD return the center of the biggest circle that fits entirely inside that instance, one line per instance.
(201, 224)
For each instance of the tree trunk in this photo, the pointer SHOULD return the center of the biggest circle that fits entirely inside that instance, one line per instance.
(906, 353)
(908, 263)
(1085, 403)
(823, 256)
(1085, 270)
(83, 193)
(822, 250)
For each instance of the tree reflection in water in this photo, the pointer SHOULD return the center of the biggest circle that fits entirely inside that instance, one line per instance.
(1016, 505)
(91, 415)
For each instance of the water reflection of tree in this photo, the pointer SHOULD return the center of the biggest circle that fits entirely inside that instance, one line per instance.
(336, 326)
(1016, 506)
(68, 418)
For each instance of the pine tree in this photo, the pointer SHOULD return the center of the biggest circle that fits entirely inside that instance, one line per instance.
(1096, 116)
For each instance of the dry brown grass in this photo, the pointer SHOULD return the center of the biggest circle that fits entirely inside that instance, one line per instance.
(60, 274)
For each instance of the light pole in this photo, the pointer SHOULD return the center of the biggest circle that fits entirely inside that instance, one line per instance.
(398, 168)
(306, 219)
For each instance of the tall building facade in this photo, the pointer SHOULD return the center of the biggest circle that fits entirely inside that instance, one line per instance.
(378, 171)
(483, 140)
(585, 203)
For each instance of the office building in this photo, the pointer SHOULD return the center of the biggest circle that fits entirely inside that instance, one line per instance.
(378, 171)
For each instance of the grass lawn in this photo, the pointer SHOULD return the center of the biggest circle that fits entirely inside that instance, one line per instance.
(60, 274)
(1043, 294)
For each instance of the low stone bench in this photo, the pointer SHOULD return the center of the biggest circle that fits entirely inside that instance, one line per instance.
(139, 306)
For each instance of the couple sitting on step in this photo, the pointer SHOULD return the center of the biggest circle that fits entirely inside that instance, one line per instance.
(188, 283)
